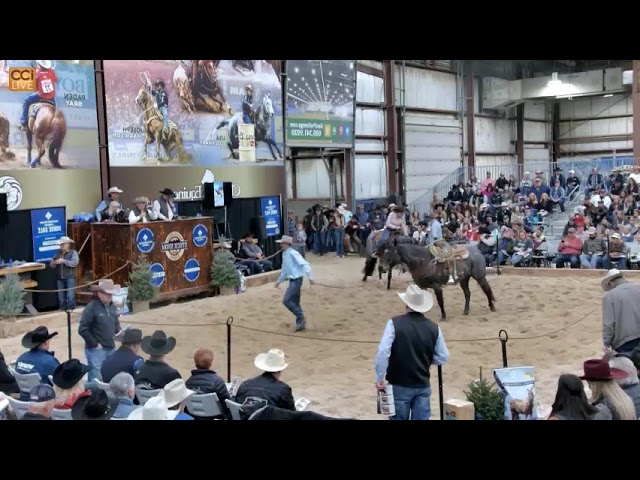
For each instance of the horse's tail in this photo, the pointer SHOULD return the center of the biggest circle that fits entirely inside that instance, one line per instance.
(58, 132)
(369, 266)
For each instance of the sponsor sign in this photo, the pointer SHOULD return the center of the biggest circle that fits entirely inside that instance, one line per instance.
(200, 235)
(174, 246)
(270, 209)
(48, 225)
(191, 270)
(145, 240)
(158, 273)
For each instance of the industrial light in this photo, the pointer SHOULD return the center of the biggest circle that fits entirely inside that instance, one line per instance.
(296, 69)
(554, 82)
(608, 95)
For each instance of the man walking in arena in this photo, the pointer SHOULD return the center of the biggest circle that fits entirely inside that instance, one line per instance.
(620, 313)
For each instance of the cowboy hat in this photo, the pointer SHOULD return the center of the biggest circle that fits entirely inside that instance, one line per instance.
(37, 337)
(137, 200)
(155, 409)
(168, 191)
(341, 210)
(417, 299)
(391, 206)
(397, 208)
(97, 406)
(592, 231)
(599, 369)
(129, 335)
(272, 361)
(175, 392)
(226, 245)
(610, 276)
(616, 235)
(69, 373)
(114, 190)
(158, 343)
(249, 87)
(64, 240)
(106, 286)
(286, 239)
(46, 64)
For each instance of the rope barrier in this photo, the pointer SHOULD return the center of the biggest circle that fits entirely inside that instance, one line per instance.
(79, 286)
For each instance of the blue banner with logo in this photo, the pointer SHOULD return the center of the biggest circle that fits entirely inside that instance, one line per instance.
(270, 210)
(48, 226)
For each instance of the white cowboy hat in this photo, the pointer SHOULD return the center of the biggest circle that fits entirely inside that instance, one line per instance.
(286, 239)
(46, 64)
(611, 275)
(155, 409)
(417, 299)
(66, 240)
(341, 210)
(226, 245)
(616, 235)
(343, 205)
(175, 392)
(114, 190)
(106, 286)
(272, 361)
(391, 206)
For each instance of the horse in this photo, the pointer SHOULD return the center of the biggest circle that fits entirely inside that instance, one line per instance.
(524, 407)
(206, 89)
(183, 87)
(429, 272)
(277, 67)
(262, 120)
(246, 64)
(5, 129)
(370, 262)
(49, 127)
(154, 125)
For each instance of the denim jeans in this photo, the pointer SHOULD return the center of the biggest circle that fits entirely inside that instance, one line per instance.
(622, 263)
(411, 403)
(30, 100)
(246, 118)
(67, 299)
(338, 240)
(291, 300)
(589, 261)
(386, 233)
(562, 258)
(516, 259)
(628, 346)
(502, 258)
(266, 265)
(95, 357)
(165, 116)
(318, 243)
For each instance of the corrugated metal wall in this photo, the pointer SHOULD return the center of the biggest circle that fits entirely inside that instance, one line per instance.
(432, 140)
(538, 134)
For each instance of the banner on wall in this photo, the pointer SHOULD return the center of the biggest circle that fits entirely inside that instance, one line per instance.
(320, 96)
(270, 210)
(48, 225)
(193, 111)
(55, 100)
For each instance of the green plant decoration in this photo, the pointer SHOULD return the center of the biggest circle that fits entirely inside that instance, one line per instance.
(223, 271)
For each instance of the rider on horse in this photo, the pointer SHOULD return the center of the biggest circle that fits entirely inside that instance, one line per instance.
(46, 80)
(395, 225)
(162, 99)
(247, 104)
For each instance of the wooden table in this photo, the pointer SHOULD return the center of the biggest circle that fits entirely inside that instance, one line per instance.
(24, 274)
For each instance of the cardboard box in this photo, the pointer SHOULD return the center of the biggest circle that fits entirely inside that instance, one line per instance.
(459, 410)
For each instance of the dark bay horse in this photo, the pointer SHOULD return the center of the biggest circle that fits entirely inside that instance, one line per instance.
(49, 127)
(370, 262)
(427, 272)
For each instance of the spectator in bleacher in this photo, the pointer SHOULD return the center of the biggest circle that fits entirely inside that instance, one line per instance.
(254, 253)
(37, 359)
(571, 402)
(41, 401)
(8, 384)
(155, 373)
(472, 234)
(629, 206)
(525, 184)
(320, 226)
(569, 249)
(558, 177)
(557, 195)
(620, 313)
(268, 386)
(501, 182)
(538, 188)
(420, 235)
(490, 222)
(68, 383)
(606, 392)
(488, 180)
(176, 395)
(530, 219)
(473, 180)
(572, 185)
(627, 235)
(513, 183)
(123, 388)
(617, 187)
(234, 250)
(456, 193)
(636, 174)
(595, 182)
(533, 202)
(546, 206)
(593, 250)
(125, 358)
(522, 248)
(487, 244)
(539, 240)
(601, 196)
(617, 252)
(204, 380)
(629, 384)
(619, 219)
(633, 225)
(505, 248)
(477, 198)
(540, 176)
(459, 238)
(435, 228)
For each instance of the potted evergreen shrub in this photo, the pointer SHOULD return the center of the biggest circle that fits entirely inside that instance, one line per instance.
(11, 296)
(487, 400)
(224, 274)
(141, 287)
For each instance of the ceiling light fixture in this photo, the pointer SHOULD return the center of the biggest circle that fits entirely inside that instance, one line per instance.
(554, 82)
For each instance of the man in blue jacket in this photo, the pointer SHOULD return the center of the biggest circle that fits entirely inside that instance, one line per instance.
(38, 359)
(125, 358)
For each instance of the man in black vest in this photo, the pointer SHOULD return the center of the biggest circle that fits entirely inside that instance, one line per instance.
(125, 358)
(163, 205)
(411, 343)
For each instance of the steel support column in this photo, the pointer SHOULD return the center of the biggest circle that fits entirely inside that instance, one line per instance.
(520, 135)
(636, 109)
(103, 140)
(392, 132)
(470, 113)
(555, 131)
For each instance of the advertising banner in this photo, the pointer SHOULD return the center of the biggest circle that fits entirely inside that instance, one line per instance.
(192, 112)
(48, 226)
(320, 96)
(270, 210)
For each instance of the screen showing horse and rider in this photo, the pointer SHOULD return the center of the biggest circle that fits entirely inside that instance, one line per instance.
(48, 115)
(191, 112)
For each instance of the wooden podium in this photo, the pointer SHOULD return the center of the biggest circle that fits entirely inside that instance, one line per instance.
(180, 253)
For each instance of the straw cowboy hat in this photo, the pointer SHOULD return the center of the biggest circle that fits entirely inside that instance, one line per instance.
(114, 190)
(158, 343)
(341, 210)
(226, 245)
(37, 337)
(391, 206)
(249, 87)
(417, 299)
(175, 392)
(155, 409)
(64, 240)
(609, 277)
(599, 369)
(272, 361)
(97, 406)
(46, 64)
(69, 373)
(592, 231)
(286, 239)
(106, 286)
(137, 200)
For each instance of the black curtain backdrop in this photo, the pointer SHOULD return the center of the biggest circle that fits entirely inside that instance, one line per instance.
(16, 243)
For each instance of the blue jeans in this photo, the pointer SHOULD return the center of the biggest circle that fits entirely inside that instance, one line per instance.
(165, 116)
(291, 300)
(246, 118)
(318, 242)
(516, 259)
(628, 346)
(412, 403)
(67, 300)
(622, 263)
(590, 261)
(338, 240)
(386, 233)
(502, 258)
(30, 100)
(95, 357)
(562, 258)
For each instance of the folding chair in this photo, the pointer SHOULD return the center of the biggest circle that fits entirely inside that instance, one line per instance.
(234, 408)
(144, 395)
(206, 405)
(59, 414)
(26, 381)
(19, 407)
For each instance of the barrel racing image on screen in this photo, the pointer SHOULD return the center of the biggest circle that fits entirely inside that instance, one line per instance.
(192, 112)
(48, 114)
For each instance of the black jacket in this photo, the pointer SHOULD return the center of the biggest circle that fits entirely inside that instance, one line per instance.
(154, 375)
(269, 388)
(122, 360)
(34, 416)
(208, 381)
(99, 324)
(8, 383)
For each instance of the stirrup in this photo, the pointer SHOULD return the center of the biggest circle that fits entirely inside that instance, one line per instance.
(451, 280)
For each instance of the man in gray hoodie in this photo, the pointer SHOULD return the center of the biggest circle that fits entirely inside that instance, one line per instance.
(620, 313)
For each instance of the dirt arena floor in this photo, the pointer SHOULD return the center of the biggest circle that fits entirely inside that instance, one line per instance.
(332, 362)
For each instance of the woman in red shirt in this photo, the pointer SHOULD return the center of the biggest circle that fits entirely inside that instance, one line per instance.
(68, 383)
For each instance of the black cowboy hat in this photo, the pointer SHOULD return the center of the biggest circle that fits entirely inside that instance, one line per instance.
(159, 82)
(37, 337)
(168, 191)
(97, 406)
(68, 373)
(158, 343)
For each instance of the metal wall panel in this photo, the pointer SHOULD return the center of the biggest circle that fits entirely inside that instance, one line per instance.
(369, 121)
(426, 88)
(535, 111)
(494, 135)
(312, 179)
(371, 178)
(369, 88)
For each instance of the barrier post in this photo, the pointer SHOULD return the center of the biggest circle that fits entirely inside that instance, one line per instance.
(504, 341)
(229, 322)
(440, 392)
(69, 332)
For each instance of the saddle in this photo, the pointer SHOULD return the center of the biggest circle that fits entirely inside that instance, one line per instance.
(443, 252)
(35, 108)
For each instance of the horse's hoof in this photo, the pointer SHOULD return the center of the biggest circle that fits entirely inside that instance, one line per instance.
(443, 319)
(466, 312)
(492, 308)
